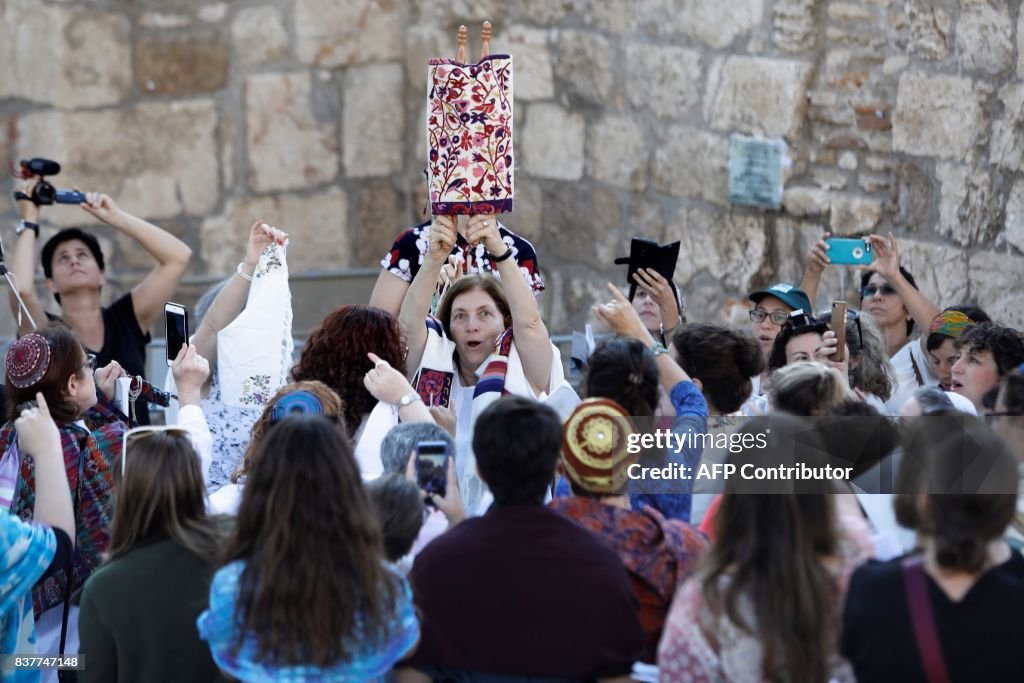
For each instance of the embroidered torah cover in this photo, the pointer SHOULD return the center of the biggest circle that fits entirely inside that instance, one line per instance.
(469, 130)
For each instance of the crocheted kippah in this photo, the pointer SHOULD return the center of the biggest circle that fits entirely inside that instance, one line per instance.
(301, 402)
(951, 323)
(27, 361)
(595, 442)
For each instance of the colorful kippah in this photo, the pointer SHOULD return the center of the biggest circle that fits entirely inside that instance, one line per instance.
(297, 402)
(595, 442)
(27, 361)
(951, 323)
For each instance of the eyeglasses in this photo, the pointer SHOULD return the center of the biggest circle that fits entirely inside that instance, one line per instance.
(778, 317)
(870, 290)
(137, 433)
(90, 361)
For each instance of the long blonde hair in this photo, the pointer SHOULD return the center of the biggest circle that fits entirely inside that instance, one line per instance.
(162, 495)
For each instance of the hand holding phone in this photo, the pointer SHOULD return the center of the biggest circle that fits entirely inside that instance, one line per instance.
(432, 467)
(175, 329)
(838, 325)
(849, 252)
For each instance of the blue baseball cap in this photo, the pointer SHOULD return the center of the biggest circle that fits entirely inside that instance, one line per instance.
(794, 297)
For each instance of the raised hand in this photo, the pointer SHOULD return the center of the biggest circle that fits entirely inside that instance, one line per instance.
(442, 237)
(37, 432)
(620, 317)
(817, 257)
(662, 292)
(261, 236)
(190, 372)
(887, 257)
(101, 206)
(483, 229)
(384, 382)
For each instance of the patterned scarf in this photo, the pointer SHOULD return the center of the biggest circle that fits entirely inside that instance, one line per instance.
(951, 323)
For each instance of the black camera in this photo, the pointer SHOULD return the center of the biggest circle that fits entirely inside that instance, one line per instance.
(44, 193)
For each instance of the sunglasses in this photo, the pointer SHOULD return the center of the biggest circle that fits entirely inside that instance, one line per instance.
(138, 433)
(778, 317)
(870, 290)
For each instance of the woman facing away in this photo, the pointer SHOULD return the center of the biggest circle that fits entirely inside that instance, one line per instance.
(138, 610)
(766, 602)
(305, 593)
(948, 611)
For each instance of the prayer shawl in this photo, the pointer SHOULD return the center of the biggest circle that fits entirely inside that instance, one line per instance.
(501, 374)
(99, 445)
(469, 130)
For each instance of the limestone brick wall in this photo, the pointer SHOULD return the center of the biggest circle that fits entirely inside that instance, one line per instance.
(902, 115)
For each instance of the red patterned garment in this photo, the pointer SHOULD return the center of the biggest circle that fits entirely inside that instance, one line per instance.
(469, 129)
(659, 555)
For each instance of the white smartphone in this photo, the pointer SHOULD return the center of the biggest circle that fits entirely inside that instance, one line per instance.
(176, 329)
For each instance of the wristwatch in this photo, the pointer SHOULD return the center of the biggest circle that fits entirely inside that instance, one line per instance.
(409, 399)
(24, 225)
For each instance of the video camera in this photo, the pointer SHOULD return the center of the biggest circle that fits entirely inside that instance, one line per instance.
(44, 193)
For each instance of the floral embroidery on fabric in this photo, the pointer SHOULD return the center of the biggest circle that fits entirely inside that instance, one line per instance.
(469, 129)
(256, 390)
(270, 263)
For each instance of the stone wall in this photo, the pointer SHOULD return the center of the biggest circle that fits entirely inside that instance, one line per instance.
(902, 115)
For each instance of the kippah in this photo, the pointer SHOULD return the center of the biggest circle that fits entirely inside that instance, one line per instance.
(951, 323)
(595, 442)
(297, 402)
(27, 361)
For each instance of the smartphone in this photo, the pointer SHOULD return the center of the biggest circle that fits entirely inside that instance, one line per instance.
(838, 325)
(849, 252)
(176, 329)
(432, 466)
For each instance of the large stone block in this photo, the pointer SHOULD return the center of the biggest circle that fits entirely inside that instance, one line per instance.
(613, 16)
(1020, 46)
(689, 162)
(373, 121)
(1014, 226)
(259, 35)
(425, 42)
(1007, 148)
(806, 201)
(715, 23)
(534, 74)
(996, 281)
(551, 142)
(157, 160)
(527, 219)
(930, 29)
(664, 79)
(757, 95)
(938, 116)
(334, 33)
(288, 147)
(912, 195)
(730, 247)
(586, 65)
(180, 66)
(617, 153)
(316, 224)
(941, 271)
(968, 209)
(984, 35)
(64, 57)
(854, 215)
(793, 26)
(582, 226)
(380, 215)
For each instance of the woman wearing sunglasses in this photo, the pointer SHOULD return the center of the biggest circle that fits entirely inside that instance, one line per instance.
(138, 610)
(305, 594)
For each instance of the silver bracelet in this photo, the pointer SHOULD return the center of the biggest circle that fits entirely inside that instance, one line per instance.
(241, 272)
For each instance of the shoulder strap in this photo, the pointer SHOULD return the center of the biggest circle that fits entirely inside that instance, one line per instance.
(917, 370)
(69, 568)
(929, 648)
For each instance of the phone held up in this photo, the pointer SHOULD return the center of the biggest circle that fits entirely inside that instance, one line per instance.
(838, 325)
(176, 329)
(432, 467)
(844, 251)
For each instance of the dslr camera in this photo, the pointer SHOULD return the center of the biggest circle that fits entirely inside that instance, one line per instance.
(44, 193)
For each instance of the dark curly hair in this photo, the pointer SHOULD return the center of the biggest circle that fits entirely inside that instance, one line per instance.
(722, 359)
(314, 580)
(777, 357)
(335, 354)
(975, 313)
(625, 371)
(1004, 343)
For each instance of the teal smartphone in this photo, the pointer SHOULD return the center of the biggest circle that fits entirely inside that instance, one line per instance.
(849, 252)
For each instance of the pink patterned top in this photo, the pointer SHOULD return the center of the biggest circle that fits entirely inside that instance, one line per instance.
(686, 655)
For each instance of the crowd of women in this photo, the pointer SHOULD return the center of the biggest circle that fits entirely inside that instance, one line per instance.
(278, 528)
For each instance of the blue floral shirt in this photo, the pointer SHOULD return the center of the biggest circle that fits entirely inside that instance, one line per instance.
(26, 550)
(219, 627)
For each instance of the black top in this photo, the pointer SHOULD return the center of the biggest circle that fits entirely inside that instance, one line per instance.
(524, 591)
(982, 635)
(125, 342)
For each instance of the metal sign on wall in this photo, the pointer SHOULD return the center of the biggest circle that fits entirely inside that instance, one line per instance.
(755, 171)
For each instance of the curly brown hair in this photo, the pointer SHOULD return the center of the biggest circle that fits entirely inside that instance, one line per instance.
(333, 408)
(314, 588)
(335, 354)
